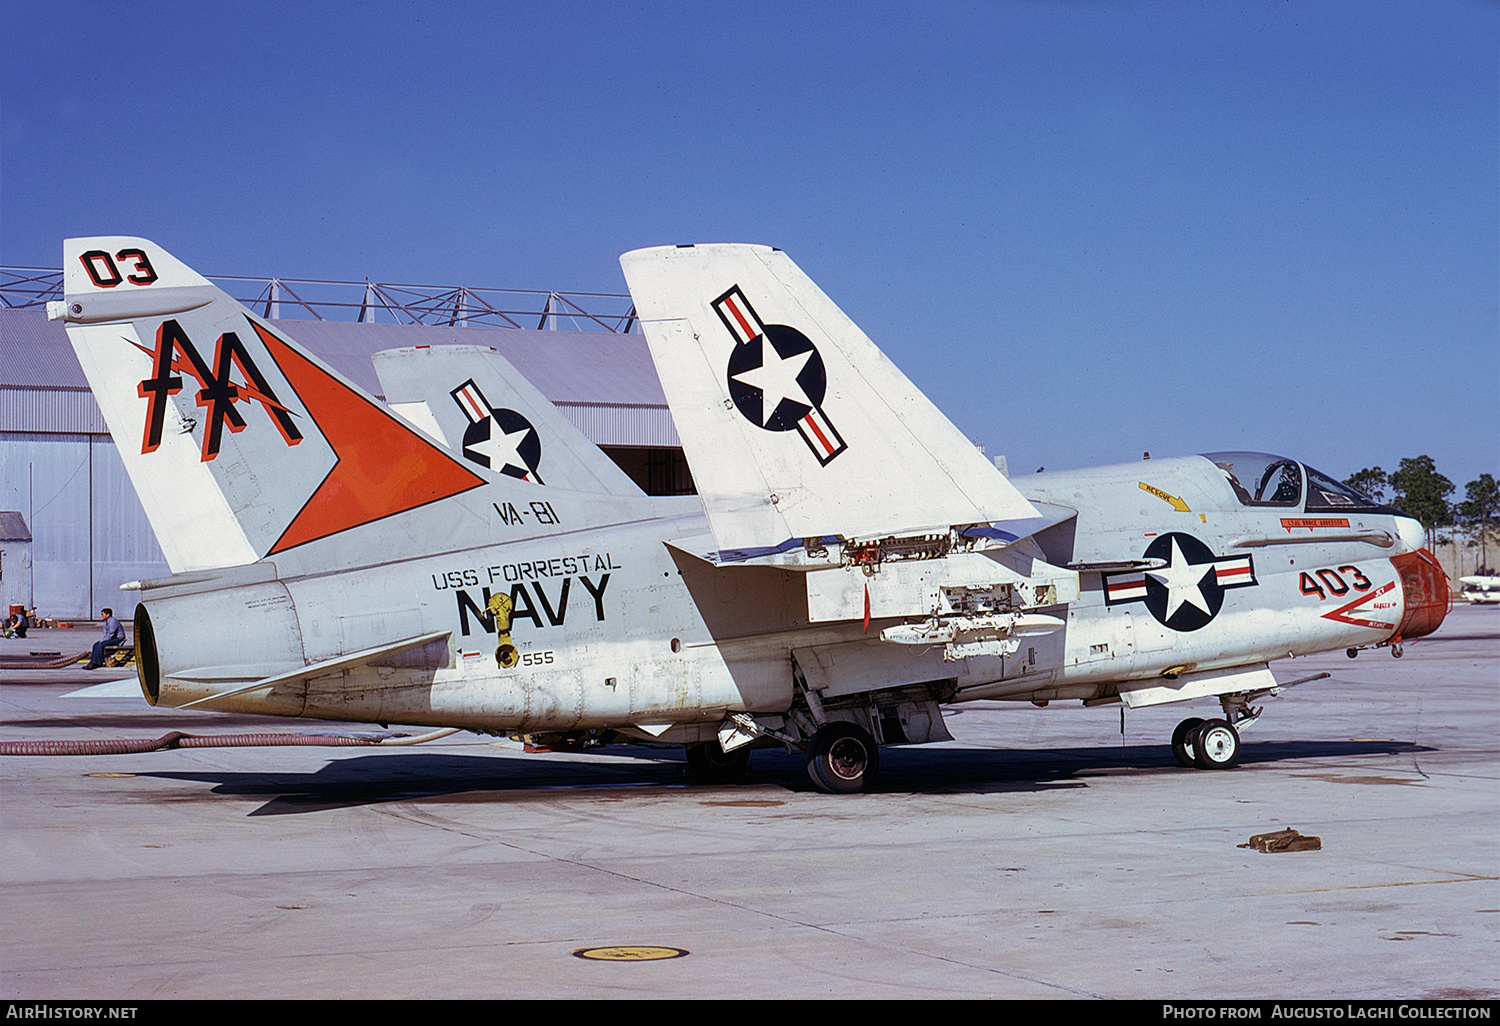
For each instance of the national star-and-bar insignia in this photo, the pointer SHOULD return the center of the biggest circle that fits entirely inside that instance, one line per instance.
(1188, 591)
(776, 377)
(502, 440)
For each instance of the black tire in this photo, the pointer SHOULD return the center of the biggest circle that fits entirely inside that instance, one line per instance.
(842, 758)
(1216, 745)
(706, 759)
(1182, 751)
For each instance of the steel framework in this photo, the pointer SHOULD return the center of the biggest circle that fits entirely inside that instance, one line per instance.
(365, 301)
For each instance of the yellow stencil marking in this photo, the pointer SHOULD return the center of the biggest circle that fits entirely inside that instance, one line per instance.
(1176, 503)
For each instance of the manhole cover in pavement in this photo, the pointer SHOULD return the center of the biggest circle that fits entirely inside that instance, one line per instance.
(629, 953)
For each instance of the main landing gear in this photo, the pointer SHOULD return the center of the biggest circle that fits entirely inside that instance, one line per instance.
(842, 758)
(1206, 744)
(708, 760)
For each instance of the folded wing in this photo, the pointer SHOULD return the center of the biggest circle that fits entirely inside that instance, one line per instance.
(795, 425)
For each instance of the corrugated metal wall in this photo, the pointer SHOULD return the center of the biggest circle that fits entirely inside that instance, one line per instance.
(65, 410)
(89, 532)
(623, 424)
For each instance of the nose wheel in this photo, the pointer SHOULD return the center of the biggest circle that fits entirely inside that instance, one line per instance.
(1206, 744)
(1182, 749)
(1216, 745)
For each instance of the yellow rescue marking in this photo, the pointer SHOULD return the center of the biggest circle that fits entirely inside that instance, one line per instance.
(1175, 502)
(110, 774)
(629, 953)
(502, 609)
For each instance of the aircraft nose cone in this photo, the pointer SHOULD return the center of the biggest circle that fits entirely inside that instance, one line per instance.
(1425, 592)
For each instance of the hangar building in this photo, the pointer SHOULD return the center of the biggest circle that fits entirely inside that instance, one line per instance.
(60, 471)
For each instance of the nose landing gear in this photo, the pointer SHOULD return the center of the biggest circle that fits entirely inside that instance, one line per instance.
(1216, 745)
(1206, 744)
(1213, 744)
(1182, 749)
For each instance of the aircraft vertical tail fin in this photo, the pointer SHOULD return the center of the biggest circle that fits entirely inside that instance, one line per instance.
(482, 407)
(240, 444)
(794, 423)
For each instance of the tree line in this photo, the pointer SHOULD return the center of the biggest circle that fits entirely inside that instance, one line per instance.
(1418, 490)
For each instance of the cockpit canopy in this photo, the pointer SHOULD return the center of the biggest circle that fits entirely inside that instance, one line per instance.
(1261, 479)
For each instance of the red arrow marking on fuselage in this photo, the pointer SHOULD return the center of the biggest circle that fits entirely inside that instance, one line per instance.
(1339, 614)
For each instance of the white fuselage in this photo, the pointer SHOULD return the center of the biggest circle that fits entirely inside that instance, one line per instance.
(617, 629)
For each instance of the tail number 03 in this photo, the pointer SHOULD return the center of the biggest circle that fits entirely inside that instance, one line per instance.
(104, 273)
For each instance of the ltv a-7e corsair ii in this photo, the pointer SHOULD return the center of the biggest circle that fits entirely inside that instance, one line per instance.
(852, 563)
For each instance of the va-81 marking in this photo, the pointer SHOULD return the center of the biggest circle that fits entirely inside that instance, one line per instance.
(510, 516)
(1324, 582)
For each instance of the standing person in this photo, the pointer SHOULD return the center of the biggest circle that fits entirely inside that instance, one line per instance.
(114, 637)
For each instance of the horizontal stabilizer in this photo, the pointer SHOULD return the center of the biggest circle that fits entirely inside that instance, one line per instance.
(327, 666)
(129, 687)
(794, 423)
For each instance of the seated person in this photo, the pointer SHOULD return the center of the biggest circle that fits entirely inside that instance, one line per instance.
(114, 637)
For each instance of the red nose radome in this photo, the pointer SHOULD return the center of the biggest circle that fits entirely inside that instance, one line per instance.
(1427, 595)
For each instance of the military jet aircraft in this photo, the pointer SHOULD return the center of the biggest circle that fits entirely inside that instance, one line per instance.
(853, 565)
(1481, 588)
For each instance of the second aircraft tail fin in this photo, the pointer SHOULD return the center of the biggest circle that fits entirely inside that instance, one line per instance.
(483, 408)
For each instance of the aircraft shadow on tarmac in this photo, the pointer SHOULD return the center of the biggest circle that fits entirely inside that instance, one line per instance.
(500, 778)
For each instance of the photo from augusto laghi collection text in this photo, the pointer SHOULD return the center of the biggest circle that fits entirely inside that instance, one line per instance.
(1267, 1010)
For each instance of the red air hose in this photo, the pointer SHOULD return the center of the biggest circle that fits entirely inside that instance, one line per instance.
(176, 739)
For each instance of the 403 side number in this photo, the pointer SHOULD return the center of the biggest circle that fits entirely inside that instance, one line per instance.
(1323, 583)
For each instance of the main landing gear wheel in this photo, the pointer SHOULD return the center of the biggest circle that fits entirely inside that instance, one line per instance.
(1182, 748)
(1216, 745)
(706, 759)
(842, 758)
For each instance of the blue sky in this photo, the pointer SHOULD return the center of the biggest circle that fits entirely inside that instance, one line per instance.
(1085, 229)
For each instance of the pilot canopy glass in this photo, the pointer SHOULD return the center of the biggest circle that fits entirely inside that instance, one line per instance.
(1262, 479)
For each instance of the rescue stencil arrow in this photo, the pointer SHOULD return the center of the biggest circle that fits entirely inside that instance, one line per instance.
(1175, 502)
